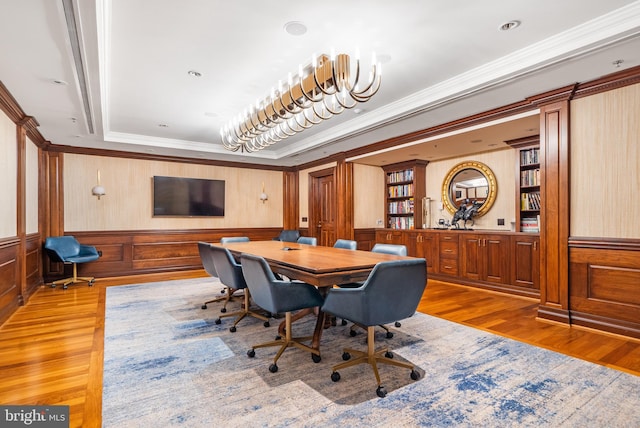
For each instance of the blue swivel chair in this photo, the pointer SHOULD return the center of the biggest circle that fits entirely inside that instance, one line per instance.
(347, 244)
(308, 240)
(398, 250)
(67, 250)
(279, 296)
(230, 274)
(206, 256)
(391, 292)
(228, 239)
(288, 236)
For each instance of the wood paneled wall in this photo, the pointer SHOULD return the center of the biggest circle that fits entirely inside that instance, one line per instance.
(605, 285)
(128, 252)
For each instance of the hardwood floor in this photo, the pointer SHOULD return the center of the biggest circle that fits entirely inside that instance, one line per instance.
(51, 350)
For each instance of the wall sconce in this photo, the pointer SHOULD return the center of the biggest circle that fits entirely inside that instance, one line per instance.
(98, 190)
(263, 196)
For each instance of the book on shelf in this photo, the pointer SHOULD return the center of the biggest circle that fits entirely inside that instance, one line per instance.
(530, 201)
(530, 224)
(529, 157)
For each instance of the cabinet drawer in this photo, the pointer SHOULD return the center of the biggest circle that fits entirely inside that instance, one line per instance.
(449, 249)
(449, 266)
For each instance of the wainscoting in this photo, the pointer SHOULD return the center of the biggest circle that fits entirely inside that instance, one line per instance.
(152, 251)
(604, 285)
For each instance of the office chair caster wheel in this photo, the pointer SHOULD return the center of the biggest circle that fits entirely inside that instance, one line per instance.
(335, 376)
(397, 324)
(352, 333)
(223, 310)
(232, 329)
(251, 353)
(316, 358)
(91, 283)
(223, 290)
(273, 368)
(415, 375)
(64, 287)
(381, 392)
(389, 335)
(388, 354)
(218, 321)
(278, 337)
(344, 322)
(266, 324)
(346, 356)
(203, 306)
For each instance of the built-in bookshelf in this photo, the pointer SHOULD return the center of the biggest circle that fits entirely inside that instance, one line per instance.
(405, 189)
(528, 184)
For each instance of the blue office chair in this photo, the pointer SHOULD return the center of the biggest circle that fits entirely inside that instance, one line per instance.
(228, 239)
(206, 256)
(278, 296)
(67, 250)
(308, 240)
(230, 274)
(391, 292)
(398, 250)
(347, 244)
(288, 236)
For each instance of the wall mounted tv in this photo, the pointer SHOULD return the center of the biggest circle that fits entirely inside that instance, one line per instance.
(187, 197)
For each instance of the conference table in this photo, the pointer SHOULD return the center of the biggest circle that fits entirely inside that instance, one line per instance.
(323, 267)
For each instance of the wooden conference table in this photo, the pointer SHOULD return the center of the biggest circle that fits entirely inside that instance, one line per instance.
(323, 267)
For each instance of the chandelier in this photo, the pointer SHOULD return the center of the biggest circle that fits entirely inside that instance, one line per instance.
(316, 93)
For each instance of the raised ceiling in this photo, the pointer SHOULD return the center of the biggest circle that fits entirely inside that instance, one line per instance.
(114, 74)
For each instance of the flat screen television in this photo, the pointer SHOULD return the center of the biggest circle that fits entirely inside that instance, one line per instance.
(187, 197)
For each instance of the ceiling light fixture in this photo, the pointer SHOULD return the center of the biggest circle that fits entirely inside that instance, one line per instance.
(323, 89)
(509, 25)
(194, 73)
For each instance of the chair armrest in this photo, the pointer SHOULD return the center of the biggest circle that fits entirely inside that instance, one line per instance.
(345, 303)
(88, 250)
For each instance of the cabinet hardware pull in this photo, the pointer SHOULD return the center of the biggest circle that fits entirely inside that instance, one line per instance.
(479, 242)
(535, 246)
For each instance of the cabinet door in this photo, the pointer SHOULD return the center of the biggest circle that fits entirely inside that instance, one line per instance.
(485, 257)
(525, 261)
(471, 256)
(496, 259)
(425, 245)
(389, 237)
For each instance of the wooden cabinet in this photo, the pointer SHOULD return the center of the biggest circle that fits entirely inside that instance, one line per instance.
(405, 188)
(485, 257)
(424, 244)
(448, 254)
(525, 261)
(387, 236)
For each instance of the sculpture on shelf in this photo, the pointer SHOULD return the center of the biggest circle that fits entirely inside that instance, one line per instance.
(457, 216)
(470, 213)
(466, 212)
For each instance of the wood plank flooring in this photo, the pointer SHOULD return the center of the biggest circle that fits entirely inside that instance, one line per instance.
(51, 350)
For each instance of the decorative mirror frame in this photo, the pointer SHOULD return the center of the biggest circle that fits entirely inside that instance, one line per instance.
(485, 171)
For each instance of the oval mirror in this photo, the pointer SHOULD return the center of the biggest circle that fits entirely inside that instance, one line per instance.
(468, 183)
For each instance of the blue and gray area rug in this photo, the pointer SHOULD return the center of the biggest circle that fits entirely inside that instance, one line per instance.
(168, 364)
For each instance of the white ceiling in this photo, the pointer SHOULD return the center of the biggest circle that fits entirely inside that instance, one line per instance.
(130, 89)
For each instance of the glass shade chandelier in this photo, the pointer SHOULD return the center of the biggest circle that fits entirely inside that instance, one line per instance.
(321, 90)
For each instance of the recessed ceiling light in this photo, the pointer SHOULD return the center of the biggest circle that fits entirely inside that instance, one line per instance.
(210, 114)
(476, 141)
(295, 28)
(163, 125)
(357, 110)
(60, 82)
(618, 63)
(509, 25)
(194, 73)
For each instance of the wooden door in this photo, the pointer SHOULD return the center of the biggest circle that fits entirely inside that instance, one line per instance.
(471, 256)
(322, 207)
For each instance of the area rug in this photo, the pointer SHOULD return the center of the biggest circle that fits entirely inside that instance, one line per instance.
(168, 364)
